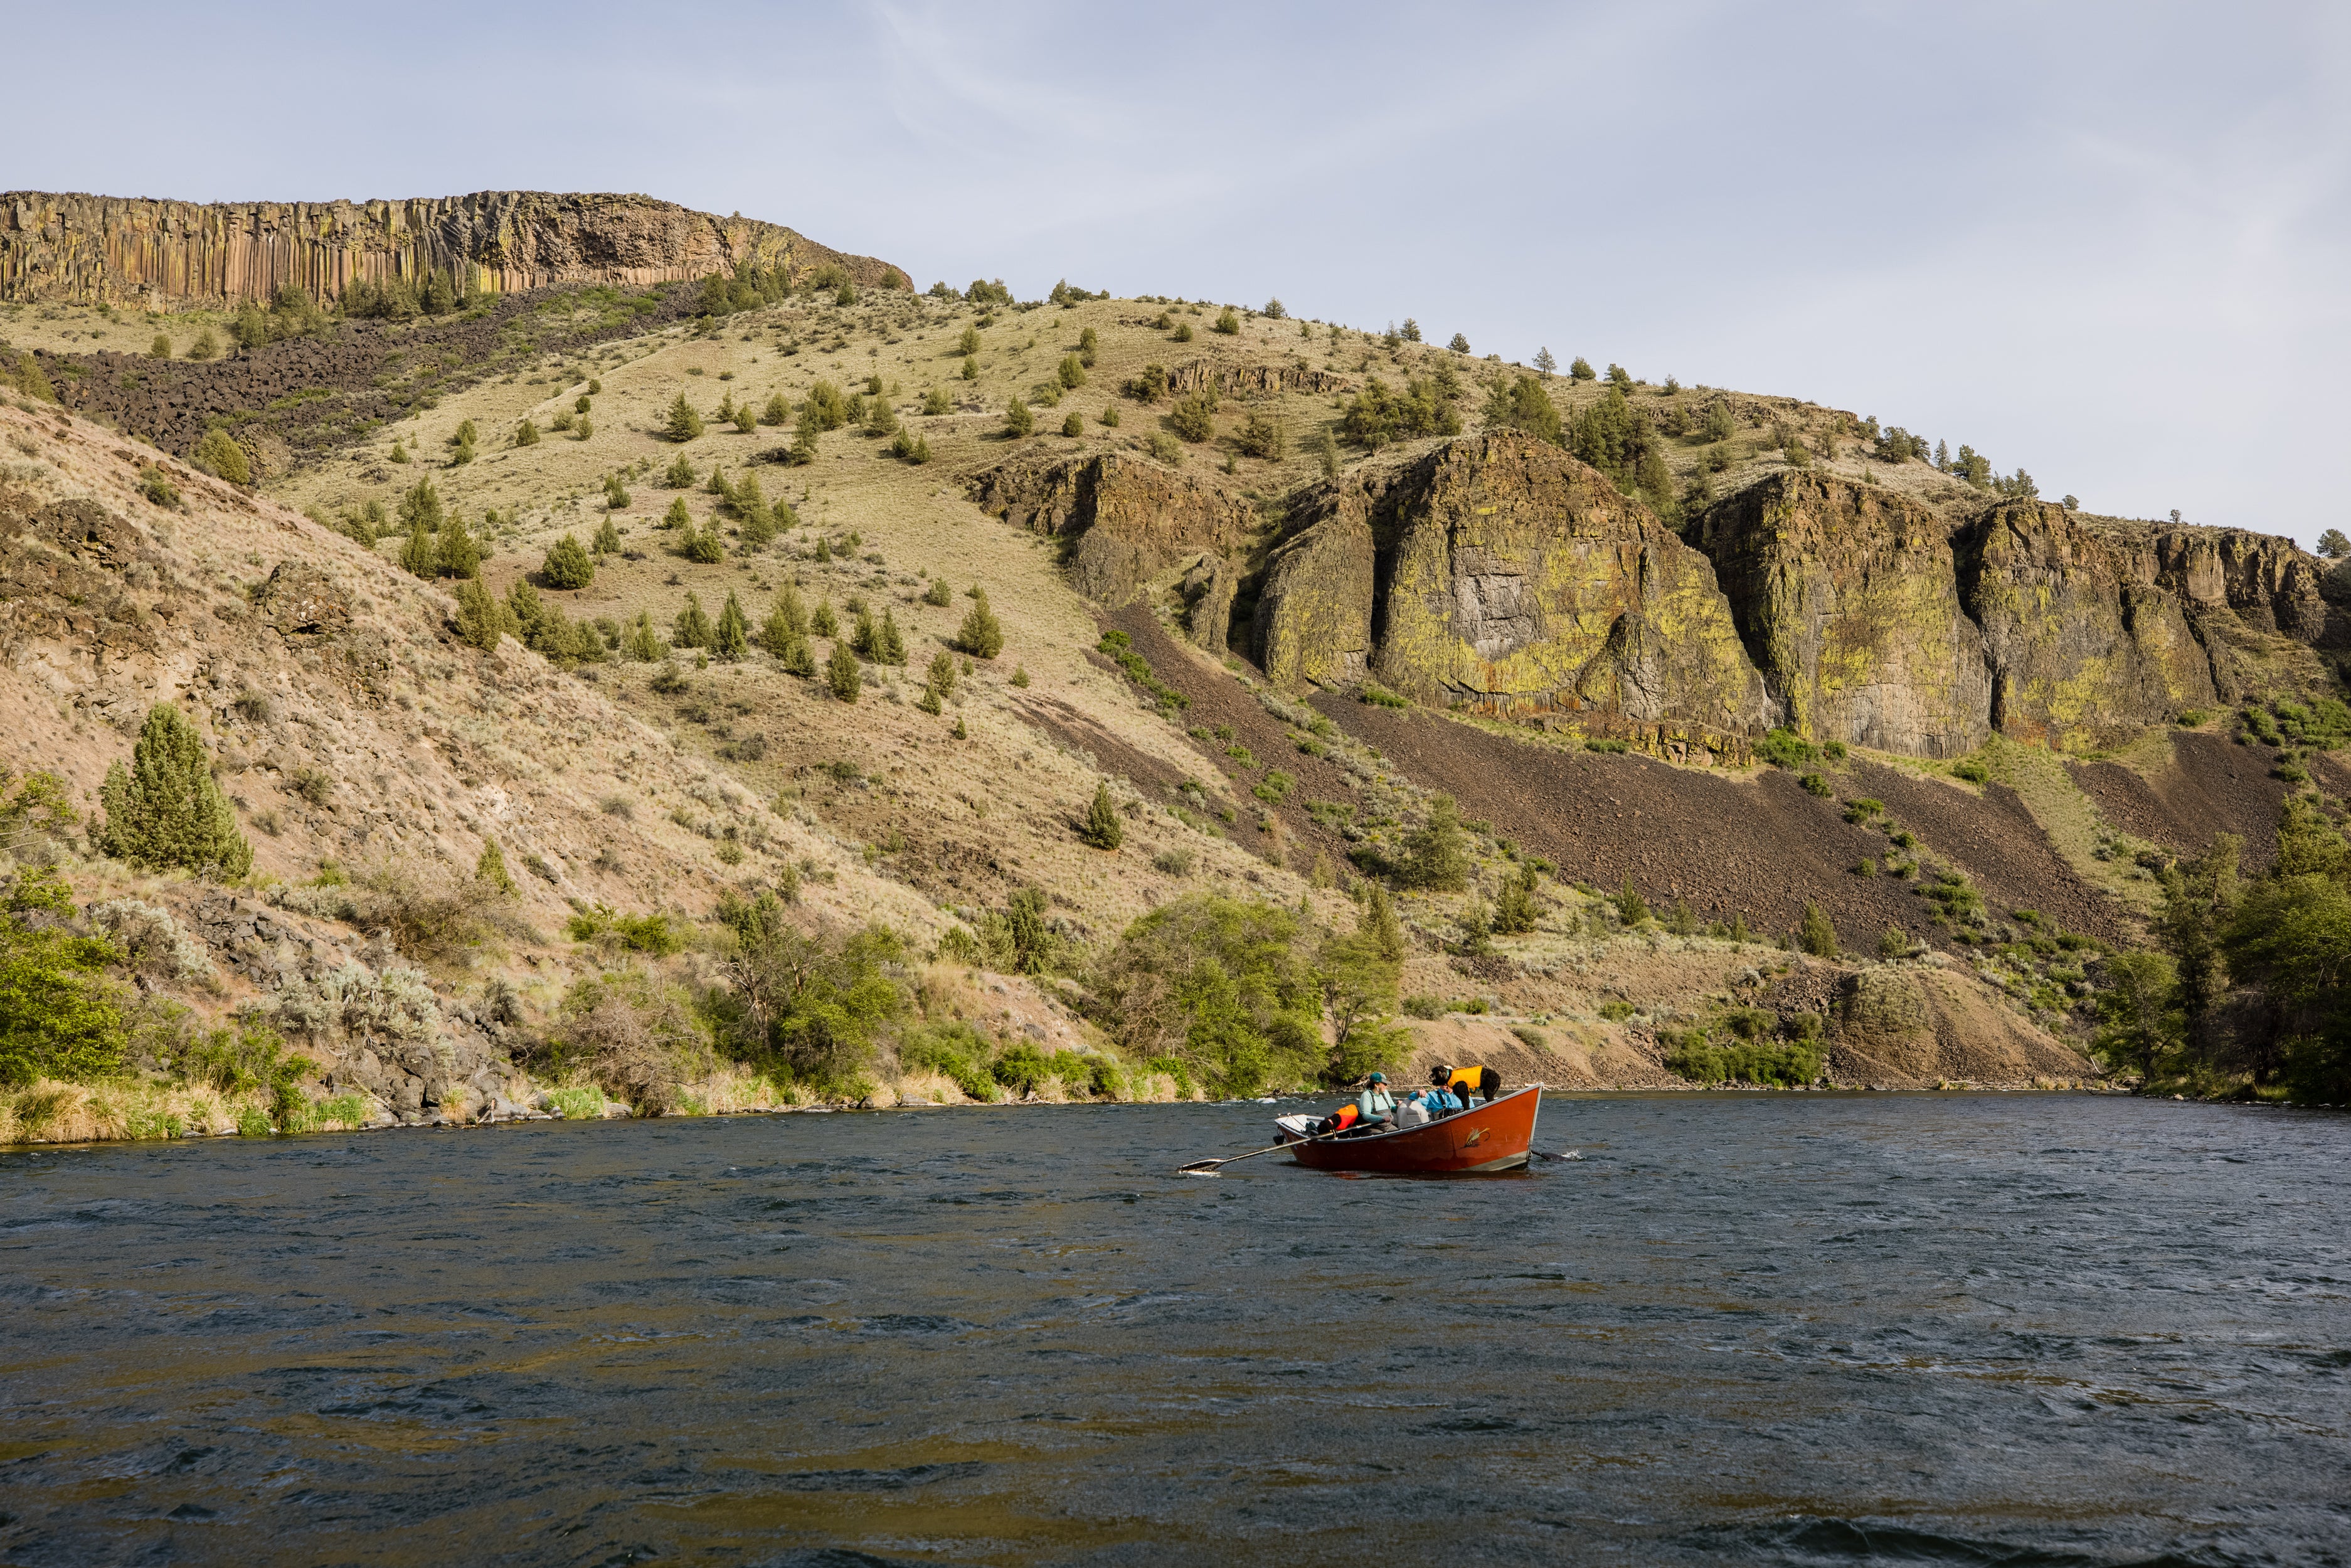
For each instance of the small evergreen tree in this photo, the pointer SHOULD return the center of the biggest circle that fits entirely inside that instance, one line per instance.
(1580, 370)
(608, 539)
(679, 475)
(843, 675)
(1018, 420)
(824, 624)
(567, 565)
(642, 642)
(889, 645)
(1819, 936)
(980, 636)
(482, 620)
(2332, 544)
(692, 628)
(1102, 828)
(1545, 363)
(1460, 345)
(734, 635)
(161, 349)
(942, 675)
(684, 424)
(1514, 908)
(460, 554)
(166, 810)
(490, 870)
(1631, 907)
(418, 557)
(1436, 853)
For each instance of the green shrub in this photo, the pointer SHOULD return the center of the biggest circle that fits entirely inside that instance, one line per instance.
(1814, 784)
(684, 424)
(1262, 436)
(979, 635)
(218, 454)
(1224, 988)
(843, 675)
(1193, 418)
(60, 1017)
(567, 565)
(1764, 1063)
(1228, 323)
(1378, 696)
(1973, 769)
(1018, 420)
(648, 934)
(1102, 828)
(166, 810)
(1435, 854)
(1819, 936)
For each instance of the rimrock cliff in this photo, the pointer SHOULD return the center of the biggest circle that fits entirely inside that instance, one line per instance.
(1498, 574)
(111, 250)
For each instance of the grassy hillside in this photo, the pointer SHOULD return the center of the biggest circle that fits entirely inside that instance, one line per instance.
(670, 785)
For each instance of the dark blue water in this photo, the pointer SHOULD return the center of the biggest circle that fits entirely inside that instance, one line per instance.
(1784, 1329)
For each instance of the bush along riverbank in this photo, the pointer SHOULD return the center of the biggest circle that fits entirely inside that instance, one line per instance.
(144, 994)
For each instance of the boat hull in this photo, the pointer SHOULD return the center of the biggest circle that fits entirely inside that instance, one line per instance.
(1493, 1137)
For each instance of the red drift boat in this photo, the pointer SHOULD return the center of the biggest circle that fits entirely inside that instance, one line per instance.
(1493, 1137)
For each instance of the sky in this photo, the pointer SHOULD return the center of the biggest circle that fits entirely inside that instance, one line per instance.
(2109, 244)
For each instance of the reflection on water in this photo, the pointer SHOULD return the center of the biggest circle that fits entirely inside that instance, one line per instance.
(1784, 1329)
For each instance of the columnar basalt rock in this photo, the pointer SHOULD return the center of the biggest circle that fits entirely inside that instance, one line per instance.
(82, 249)
(1507, 577)
(1123, 519)
(1849, 602)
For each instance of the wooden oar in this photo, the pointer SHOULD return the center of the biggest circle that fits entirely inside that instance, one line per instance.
(1204, 1167)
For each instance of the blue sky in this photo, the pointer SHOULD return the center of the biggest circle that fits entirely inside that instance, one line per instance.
(2104, 241)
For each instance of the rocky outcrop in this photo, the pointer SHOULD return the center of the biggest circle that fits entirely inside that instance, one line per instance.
(1848, 600)
(1913, 1025)
(1246, 380)
(1498, 573)
(1875, 622)
(1122, 519)
(109, 250)
(2084, 639)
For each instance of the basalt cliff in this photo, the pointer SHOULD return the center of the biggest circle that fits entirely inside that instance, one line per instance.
(157, 255)
(1497, 574)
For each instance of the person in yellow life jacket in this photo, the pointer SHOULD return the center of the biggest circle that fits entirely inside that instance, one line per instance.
(1464, 1082)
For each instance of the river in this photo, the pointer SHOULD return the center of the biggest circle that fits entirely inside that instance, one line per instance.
(1783, 1329)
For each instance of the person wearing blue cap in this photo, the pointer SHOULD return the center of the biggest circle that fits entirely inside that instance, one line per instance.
(1375, 1105)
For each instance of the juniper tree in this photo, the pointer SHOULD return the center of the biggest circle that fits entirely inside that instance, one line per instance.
(2332, 544)
(1018, 420)
(616, 495)
(824, 624)
(418, 557)
(866, 637)
(166, 809)
(777, 411)
(684, 424)
(679, 475)
(969, 343)
(1460, 345)
(608, 539)
(419, 506)
(733, 639)
(1514, 906)
(1580, 370)
(941, 676)
(1088, 346)
(703, 548)
(692, 627)
(1102, 828)
(971, 368)
(842, 675)
(460, 555)
(979, 635)
(1545, 363)
(1819, 935)
(1436, 853)
(642, 642)
(490, 871)
(567, 565)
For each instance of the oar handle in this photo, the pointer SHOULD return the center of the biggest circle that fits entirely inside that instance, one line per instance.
(1270, 1148)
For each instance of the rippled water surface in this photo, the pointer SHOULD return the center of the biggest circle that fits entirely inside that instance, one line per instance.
(1783, 1329)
